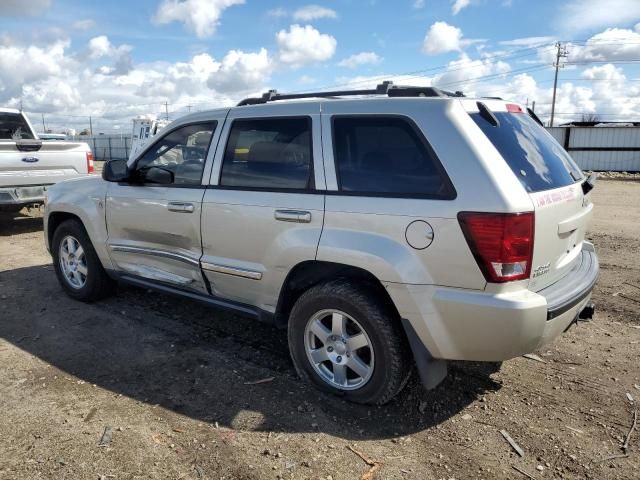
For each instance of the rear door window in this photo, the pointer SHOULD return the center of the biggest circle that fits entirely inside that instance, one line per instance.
(270, 153)
(535, 157)
(386, 155)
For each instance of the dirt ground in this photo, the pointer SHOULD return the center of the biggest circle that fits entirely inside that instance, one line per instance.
(175, 385)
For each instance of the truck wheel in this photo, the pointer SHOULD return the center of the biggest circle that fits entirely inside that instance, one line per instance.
(77, 266)
(347, 343)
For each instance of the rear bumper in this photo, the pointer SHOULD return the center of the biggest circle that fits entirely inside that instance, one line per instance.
(456, 324)
(22, 195)
(563, 295)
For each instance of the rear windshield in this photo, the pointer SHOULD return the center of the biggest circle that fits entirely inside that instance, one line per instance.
(14, 127)
(539, 162)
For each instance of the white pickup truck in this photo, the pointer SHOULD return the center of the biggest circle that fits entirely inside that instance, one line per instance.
(28, 165)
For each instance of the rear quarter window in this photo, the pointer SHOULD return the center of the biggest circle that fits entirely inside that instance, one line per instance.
(534, 156)
(386, 156)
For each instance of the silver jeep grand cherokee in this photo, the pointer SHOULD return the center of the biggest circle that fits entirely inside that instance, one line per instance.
(383, 228)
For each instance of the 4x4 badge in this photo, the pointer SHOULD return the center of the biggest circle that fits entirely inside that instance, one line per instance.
(541, 270)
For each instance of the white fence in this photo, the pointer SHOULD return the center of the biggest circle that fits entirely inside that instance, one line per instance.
(601, 148)
(593, 148)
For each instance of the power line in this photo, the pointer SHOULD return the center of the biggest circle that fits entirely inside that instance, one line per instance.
(422, 72)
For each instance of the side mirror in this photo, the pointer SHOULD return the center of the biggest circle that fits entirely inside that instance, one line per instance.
(159, 175)
(115, 171)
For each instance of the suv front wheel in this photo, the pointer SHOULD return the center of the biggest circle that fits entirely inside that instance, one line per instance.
(348, 343)
(77, 265)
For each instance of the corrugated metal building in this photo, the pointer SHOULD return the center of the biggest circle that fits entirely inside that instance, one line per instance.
(601, 148)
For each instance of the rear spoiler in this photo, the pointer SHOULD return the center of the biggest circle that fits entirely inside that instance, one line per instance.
(28, 145)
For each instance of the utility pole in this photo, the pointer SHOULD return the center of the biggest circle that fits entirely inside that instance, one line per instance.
(90, 126)
(189, 108)
(533, 106)
(166, 110)
(44, 129)
(561, 52)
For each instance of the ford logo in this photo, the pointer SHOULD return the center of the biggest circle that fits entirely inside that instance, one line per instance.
(30, 159)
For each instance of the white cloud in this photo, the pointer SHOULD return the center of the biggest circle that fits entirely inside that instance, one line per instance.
(584, 15)
(101, 46)
(68, 86)
(277, 12)
(313, 12)
(199, 16)
(23, 8)
(418, 4)
(442, 38)
(85, 24)
(241, 72)
(459, 5)
(362, 81)
(301, 45)
(465, 72)
(26, 65)
(526, 41)
(362, 58)
(610, 45)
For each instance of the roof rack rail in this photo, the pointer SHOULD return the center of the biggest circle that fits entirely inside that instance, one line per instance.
(385, 88)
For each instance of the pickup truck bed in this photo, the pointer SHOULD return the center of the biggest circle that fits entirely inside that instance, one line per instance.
(28, 166)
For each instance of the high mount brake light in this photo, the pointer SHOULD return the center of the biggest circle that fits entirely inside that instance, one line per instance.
(90, 166)
(513, 108)
(502, 243)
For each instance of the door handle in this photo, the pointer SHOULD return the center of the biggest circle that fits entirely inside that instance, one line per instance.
(297, 216)
(183, 207)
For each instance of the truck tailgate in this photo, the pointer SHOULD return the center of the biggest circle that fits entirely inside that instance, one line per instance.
(51, 163)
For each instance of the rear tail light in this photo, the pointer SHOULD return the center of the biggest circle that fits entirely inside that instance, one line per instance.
(502, 243)
(90, 166)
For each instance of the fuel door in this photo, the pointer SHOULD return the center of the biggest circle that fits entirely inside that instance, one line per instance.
(419, 234)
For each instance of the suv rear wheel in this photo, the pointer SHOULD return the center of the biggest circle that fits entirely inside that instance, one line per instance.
(77, 265)
(348, 343)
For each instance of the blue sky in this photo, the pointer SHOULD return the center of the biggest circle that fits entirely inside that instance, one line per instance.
(117, 59)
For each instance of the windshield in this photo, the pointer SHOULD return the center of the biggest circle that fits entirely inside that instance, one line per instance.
(14, 127)
(539, 162)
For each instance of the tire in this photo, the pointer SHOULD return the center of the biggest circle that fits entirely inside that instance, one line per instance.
(95, 284)
(386, 354)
